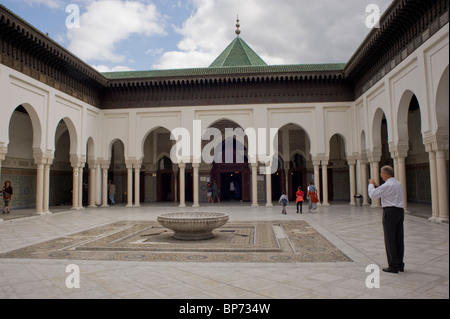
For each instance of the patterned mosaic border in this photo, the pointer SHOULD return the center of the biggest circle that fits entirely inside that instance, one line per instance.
(268, 241)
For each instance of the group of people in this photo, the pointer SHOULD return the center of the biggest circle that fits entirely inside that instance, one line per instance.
(311, 195)
(392, 196)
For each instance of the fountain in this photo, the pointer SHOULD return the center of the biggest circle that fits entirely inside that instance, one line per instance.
(193, 225)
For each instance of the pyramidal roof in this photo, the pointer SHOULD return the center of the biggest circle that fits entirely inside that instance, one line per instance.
(238, 53)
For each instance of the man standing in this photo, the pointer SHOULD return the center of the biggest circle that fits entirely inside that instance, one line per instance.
(391, 194)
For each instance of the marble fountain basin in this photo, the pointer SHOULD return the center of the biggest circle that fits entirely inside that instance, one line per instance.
(193, 225)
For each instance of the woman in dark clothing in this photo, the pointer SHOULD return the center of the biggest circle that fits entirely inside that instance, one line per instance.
(7, 193)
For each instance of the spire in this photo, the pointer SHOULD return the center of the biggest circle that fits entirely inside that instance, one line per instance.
(238, 32)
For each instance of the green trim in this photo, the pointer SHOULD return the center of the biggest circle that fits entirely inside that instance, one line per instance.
(217, 71)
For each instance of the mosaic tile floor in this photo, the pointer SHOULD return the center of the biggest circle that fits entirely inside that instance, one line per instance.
(260, 241)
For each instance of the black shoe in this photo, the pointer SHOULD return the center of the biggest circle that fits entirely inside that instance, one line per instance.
(391, 270)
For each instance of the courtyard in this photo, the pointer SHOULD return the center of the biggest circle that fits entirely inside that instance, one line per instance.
(259, 254)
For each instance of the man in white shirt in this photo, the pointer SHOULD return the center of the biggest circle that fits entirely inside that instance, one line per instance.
(391, 194)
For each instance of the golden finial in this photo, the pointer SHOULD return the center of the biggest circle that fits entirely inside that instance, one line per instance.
(238, 32)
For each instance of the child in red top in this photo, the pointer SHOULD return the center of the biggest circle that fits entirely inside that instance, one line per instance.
(299, 195)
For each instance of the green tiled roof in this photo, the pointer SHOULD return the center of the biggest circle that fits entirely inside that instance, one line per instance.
(218, 71)
(238, 53)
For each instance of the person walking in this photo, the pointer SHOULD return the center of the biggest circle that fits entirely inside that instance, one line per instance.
(112, 192)
(232, 191)
(216, 192)
(284, 201)
(209, 193)
(299, 200)
(7, 193)
(313, 198)
(391, 194)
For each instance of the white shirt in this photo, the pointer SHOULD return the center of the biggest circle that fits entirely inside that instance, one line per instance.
(391, 193)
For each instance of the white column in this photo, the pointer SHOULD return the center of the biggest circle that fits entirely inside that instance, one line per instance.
(364, 183)
(433, 182)
(105, 168)
(92, 183)
(2, 158)
(39, 188)
(269, 184)
(195, 167)
(316, 164)
(351, 165)
(254, 184)
(129, 184)
(442, 185)
(137, 184)
(46, 194)
(75, 181)
(325, 183)
(402, 179)
(396, 168)
(175, 180)
(182, 169)
(80, 185)
(374, 159)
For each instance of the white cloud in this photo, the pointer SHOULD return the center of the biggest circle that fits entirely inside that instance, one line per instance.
(106, 23)
(281, 32)
(103, 68)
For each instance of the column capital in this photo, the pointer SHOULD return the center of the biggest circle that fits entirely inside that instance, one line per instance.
(399, 151)
(40, 157)
(195, 165)
(436, 143)
(104, 164)
(77, 161)
(374, 155)
(316, 160)
(133, 163)
(3, 151)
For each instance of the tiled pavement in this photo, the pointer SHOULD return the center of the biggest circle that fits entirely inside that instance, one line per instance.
(356, 231)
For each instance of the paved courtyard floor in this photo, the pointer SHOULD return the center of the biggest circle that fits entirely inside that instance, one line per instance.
(355, 231)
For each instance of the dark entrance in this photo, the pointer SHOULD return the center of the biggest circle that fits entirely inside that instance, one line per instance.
(165, 181)
(223, 173)
(225, 183)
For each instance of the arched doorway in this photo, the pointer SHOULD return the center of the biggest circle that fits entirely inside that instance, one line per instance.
(236, 171)
(165, 181)
(117, 172)
(338, 170)
(417, 161)
(297, 174)
(19, 164)
(279, 180)
(61, 177)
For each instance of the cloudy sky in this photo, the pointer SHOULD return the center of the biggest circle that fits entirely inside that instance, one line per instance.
(121, 35)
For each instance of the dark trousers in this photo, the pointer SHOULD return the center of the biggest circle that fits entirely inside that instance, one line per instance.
(393, 218)
(300, 205)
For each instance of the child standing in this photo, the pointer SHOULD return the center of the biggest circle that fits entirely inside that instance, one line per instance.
(284, 201)
(299, 200)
